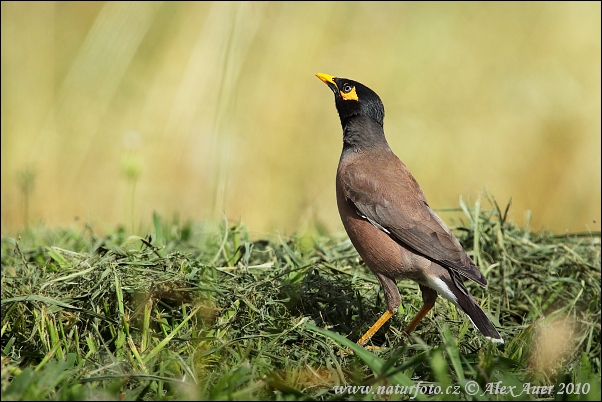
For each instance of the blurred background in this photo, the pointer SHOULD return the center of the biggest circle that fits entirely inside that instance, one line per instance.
(111, 111)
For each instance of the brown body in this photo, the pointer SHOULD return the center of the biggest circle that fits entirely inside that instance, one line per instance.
(385, 257)
(388, 219)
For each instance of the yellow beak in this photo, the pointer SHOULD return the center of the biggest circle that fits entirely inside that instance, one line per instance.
(327, 79)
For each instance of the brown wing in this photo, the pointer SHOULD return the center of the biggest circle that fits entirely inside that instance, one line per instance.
(391, 199)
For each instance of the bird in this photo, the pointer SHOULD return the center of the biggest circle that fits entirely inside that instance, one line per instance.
(388, 219)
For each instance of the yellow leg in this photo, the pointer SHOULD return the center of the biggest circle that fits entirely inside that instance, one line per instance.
(423, 311)
(370, 333)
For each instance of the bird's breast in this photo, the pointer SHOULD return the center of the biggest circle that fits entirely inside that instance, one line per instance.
(379, 251)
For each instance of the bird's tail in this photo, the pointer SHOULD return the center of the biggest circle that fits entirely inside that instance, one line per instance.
(468, 304)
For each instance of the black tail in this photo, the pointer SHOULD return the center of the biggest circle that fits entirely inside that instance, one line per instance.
(476, 314)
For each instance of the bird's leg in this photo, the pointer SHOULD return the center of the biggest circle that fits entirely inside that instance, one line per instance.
(393, 299)
(370, 333)
(423, 311)
(428, 299)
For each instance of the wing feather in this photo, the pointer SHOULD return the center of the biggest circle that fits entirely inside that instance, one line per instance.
(392, 201)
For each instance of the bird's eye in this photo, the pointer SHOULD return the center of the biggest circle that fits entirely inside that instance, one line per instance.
(347, 88)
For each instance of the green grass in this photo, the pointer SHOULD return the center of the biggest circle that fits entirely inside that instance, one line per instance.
(194, 312)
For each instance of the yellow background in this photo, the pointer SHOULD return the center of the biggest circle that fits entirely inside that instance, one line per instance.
(211, 109)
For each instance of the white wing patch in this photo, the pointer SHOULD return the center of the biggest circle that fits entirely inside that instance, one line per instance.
(375, 224)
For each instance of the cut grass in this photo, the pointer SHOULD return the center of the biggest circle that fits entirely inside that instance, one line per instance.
(193, 313)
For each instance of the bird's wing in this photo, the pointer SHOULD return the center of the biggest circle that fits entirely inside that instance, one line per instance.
(389, 197)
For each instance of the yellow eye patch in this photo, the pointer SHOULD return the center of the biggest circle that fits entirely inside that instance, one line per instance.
(351, 95)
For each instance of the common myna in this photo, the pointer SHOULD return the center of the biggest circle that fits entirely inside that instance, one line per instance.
(388, 219)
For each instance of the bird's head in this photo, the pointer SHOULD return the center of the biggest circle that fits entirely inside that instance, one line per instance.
(354, 99)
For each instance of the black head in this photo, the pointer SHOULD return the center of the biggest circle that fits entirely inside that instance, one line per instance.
(354, 99)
